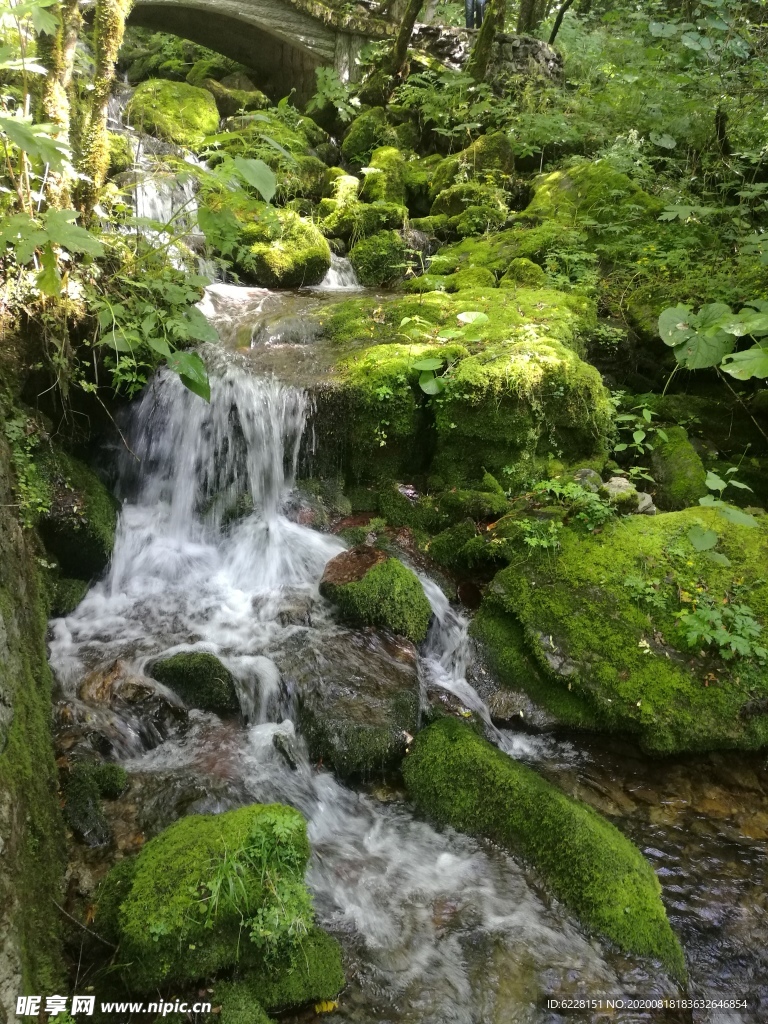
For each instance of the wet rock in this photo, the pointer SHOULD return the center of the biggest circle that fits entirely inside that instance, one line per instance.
(86, 784)
(370, 588)
(645, 505)
(200, 680)
(358, 702)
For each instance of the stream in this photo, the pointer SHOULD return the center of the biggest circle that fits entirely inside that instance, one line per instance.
(437, 928)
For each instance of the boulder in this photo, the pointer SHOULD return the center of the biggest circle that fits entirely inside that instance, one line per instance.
(358, 702)
(678, 471)
(173, 111)
(369, 588)
(200, 680)
(460, 779)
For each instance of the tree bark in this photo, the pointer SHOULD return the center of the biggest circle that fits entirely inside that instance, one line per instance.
(57, 53)
(399, 54)
(526, 19)
(493, 22)
(559, 21)
(109, 28)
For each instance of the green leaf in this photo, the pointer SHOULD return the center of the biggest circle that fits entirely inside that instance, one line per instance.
(161, 346)
(257, 174)
(712, 315)
(198, 327)
(62, 230)
(430, 384)
(702, 539)
(36, 140)
(663, 30)
(736, 516)
(752, 362)
(473, 317)
(714, 482)
(740, 485)
(220, 227)
(638, 436)
(43, 21)
(192, 372)
(719, 557)
(663, 140)
(428, 364)
(49, 278)
(674, 325)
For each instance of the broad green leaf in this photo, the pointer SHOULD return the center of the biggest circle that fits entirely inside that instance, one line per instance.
(43, 21)
(638, 436)
(740, 485)
(24, 234)
(663, 30)
(49, 278)
(674, 325)
(62, 230)
(160, 345)
(117, 340)
(714, 482)
(35, 140)
(752, 362)
(428, 364)
(220, 227)
(711, 315)
(473, 317)
(192, 372)
(702, 539)
(719, 557)
(704, 349)
(663, 140)
(736, 516)
(430, 384)
(257, 174)
(198, 327)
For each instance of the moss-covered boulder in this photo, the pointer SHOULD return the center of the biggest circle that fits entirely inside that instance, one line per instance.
(462, 780)
(522, 271)
(678, 471)
(489, 158)
(66, 595)
(591, 191)
(231, 101)
(385, 176)
(280, 249)
(86, 784)
(200, 680)
(380, 259)
(358, 702)
(370, 588)
(174, 112)
(192, 903)
(367, 132)
(657, 625)
(79, 527)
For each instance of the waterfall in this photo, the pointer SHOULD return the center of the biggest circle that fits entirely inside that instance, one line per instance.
(341, 277)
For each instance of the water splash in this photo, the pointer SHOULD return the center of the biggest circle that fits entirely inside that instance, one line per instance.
(341, 277)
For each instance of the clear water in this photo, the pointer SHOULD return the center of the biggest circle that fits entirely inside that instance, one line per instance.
(436, 927)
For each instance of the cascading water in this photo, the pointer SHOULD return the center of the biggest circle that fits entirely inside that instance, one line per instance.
(437, 928)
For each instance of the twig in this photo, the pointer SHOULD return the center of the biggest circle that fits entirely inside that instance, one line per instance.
(81, 925)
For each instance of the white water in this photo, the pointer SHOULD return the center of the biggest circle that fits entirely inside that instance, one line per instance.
(436, 927)
(341, 277)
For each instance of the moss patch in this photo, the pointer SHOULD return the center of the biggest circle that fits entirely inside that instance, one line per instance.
(678, 471)
(174, 111)
(380, 259)
(602, 620)
(462, 780)
(200, 680)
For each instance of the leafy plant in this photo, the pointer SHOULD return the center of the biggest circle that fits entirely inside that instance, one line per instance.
(331, 91)
(583, 505)
(639, 424)
(730, 628)
(708, 338)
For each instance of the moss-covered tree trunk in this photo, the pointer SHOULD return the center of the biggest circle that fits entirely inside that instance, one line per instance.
(480, 58)
(526, 18)
(57, 53)
(109, 25)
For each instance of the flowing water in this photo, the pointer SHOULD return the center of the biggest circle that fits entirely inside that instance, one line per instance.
(436, 927)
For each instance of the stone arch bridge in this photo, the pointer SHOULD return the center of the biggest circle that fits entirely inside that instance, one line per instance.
(284, 40)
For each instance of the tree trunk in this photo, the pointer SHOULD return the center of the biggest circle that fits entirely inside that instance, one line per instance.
(109, 28)
(399, 55)
(57, 53)
(526, 19)
(559, 21)
(493, 22)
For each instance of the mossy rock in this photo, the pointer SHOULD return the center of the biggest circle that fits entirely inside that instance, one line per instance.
(371, 589)
(67, 595)
(488, 158)
(496, 252)
(174, 112)
(282, 249)
(385, 180)
(79, 528)
(602, 621)
(87, 784)
(367, 132)
(356, 220)
(200, 680)
(455, 201)
(380, 259)
(460, 779)
(121, 155)
(160, 908)
(358, 703)
(232, 101)
(522, 271)
(468, 280)
(592, 190)
(678, 471)
(316, 976)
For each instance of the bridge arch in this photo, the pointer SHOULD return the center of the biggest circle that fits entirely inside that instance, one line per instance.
(283, 40)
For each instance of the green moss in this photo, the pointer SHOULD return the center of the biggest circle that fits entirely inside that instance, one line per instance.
(282, 250)
(386, 179)
(212, 66)
(79, 529)
(451, 547)
(33, 860)
(356, 220)
(503, 642)
(316, 975)
(462, 780)
(380, 259)
(523, 271)
(455, 200)
(174, 111)
(200, 680)
(470, 279)
(121, 157)
(389, 596)
(67, 595)
(678, 471)
(180, 916)
(366, 133)
(438, 227)
(232, 101)
(594, 634)
(592, 191)
(87, 784)
(489, 158)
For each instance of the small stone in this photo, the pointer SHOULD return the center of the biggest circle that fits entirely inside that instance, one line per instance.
(588, 479)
